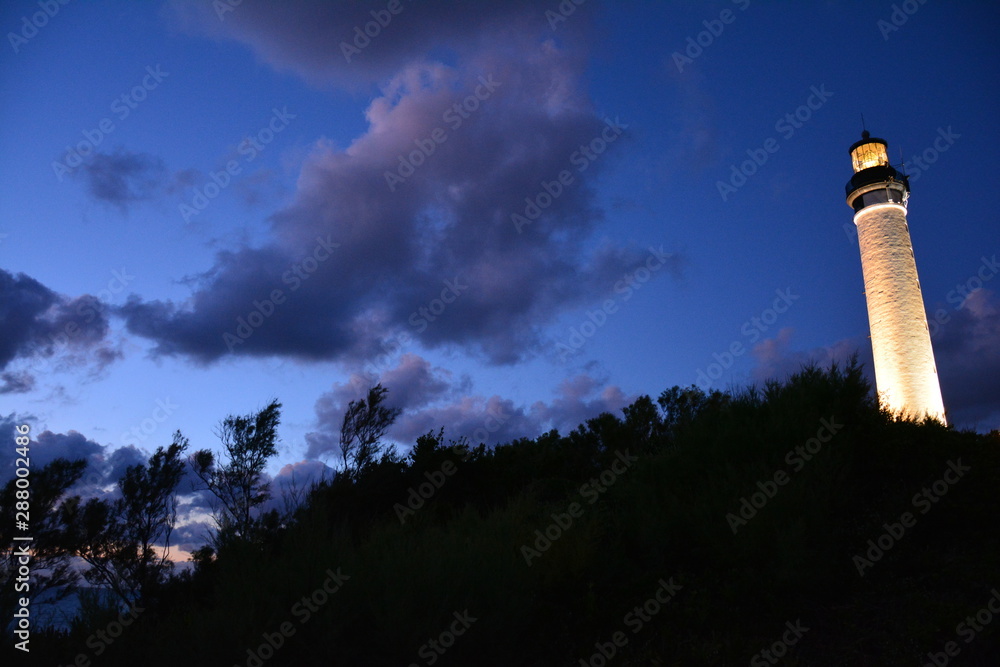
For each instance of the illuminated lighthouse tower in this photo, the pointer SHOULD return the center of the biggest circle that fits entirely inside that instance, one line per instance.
(905, 374)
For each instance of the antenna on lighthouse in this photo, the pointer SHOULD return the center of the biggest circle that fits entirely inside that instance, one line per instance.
(906, 179)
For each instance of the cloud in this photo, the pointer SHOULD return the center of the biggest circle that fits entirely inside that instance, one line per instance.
(192, 531)
(105, 466)
(431, 398)
(357, 258)
(36, 324)
(122, 178)
(695, 144)
(495, 419)
(578, 399)
(318, 39)
(412, 384)
(290, 487)
(46, 447)
(16, 383)
(966, 345)
(301, 475)
(776, 360)
(967, 353)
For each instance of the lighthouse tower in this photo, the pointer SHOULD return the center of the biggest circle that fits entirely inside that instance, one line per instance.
(905, 373)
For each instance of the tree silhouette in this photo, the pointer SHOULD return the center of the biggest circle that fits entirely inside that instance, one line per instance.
(365, 422)
(52, 575)
(239, 484)
(127, 542)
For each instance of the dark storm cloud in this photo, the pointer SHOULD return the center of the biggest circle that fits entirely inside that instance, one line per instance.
(318, 39)
(359, 258)
(123, 178)
(36, 323)
(307, 323)
(431, 398)
(47, 446)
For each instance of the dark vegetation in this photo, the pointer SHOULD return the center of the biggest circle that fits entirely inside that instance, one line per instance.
(663, 516)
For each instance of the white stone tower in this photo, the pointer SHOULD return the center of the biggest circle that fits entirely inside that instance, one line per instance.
(905, 373)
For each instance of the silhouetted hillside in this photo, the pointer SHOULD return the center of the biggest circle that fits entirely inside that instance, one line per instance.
(693, 530)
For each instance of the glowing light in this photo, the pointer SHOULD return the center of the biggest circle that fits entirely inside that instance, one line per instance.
(871, 154)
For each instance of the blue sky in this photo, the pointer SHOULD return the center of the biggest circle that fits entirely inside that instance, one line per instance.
(173, 92)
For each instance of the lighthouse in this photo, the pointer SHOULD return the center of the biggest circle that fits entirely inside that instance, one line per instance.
(905, 374)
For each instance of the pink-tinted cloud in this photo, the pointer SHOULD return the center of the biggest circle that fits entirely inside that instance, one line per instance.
(431, 398)
(434, 252)
(319, 39)
(776, 359)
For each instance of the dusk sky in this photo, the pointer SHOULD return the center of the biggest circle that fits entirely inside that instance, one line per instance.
(513, 215)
